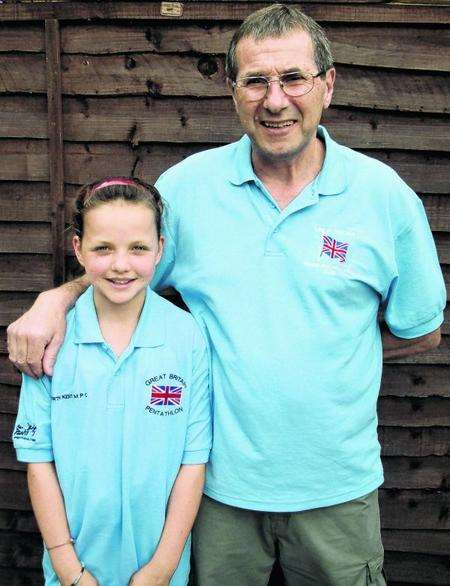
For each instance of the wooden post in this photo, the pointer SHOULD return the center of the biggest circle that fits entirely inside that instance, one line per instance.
(55, 146)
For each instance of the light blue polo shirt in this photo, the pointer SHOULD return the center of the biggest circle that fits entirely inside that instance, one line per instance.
(288, 300)
(118, 430)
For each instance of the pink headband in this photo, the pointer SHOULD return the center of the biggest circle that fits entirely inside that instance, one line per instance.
(116, 181)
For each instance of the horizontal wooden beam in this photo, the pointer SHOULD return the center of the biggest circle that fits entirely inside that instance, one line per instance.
(409, 47)
(405, 569)
(235, 11)
(189, 120)
(204, 76)
(424, 441)
(429, 542)
(28, 161)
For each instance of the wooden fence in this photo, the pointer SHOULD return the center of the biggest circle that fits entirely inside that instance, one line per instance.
(97, 88)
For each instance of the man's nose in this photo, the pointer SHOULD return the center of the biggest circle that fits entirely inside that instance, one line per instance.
(275, 99)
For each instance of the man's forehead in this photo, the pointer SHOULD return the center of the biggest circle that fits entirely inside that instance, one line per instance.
(286, 52)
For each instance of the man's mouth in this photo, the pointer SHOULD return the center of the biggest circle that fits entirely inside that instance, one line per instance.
(281, 124)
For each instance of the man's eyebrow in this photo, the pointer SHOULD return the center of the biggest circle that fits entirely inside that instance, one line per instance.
(260, 74)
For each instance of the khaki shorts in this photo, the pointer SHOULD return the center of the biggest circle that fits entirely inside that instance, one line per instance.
(330, 546)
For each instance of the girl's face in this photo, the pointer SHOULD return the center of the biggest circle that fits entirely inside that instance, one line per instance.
(119, 251)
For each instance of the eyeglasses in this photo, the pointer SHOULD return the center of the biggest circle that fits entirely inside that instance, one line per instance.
(294, 84)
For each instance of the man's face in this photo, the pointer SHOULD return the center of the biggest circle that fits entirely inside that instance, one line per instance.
(280, 126)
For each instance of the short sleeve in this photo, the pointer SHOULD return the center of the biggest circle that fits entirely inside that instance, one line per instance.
(162, 276)
(417, 295)
(199, 430)
(32, 437)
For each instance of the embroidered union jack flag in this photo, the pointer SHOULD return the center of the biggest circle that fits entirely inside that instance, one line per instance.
(165, 395)
(333, 248)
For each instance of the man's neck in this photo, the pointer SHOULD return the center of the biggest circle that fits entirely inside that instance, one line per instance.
(285, 179)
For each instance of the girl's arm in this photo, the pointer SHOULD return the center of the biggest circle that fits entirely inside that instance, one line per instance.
(48, 507)
(181, 512)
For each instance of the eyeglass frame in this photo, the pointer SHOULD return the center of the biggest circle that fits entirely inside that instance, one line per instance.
(277, 78)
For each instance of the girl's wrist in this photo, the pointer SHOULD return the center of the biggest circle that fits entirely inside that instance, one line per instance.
(66, 564)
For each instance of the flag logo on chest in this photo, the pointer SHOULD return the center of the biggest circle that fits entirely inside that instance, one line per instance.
(334, 249)
(165, 395)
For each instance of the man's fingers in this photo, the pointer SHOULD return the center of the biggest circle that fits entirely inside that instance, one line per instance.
(50, 354)
(35, 351)
(17, 350)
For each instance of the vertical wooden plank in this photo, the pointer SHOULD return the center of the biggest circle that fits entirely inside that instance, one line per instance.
(55, 145)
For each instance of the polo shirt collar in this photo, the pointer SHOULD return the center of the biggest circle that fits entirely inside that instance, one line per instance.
(331, 180)
(242, 171)
(150, 331)
(151, 328)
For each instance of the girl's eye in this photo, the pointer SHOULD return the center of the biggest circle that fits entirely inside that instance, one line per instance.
(140, 247)
(101, 249)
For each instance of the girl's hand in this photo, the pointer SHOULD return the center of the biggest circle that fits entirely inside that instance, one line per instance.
(87, 579)
(150, 575)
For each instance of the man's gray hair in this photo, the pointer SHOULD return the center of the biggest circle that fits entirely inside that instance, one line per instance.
(279, 20)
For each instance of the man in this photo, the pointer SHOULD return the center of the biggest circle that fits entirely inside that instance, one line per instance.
(285, 246)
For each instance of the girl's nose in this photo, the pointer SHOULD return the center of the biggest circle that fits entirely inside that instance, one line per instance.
(120, 263)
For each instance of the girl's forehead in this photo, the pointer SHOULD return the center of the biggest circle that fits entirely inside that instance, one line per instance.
(108, 216)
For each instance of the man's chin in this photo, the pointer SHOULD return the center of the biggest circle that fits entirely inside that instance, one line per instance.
(282, 154)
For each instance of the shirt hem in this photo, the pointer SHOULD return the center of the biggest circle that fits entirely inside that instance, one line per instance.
(291, 507)
(421, 329)
(34, 456)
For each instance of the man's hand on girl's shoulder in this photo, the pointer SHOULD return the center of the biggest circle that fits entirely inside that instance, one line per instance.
(35, 338)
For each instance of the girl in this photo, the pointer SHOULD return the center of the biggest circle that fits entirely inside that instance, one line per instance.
(117, 439)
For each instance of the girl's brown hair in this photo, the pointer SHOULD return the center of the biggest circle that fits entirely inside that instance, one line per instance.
(129, 189)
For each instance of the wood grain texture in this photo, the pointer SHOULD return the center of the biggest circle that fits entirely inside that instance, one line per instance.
(431, 542)
(414, 509)
(144, 119)
(13, 304)
(28, 161)
(24, 202)
(25, 272)
(204, 76)
(414, 411)
(405, 48)
(417, 473)
(18, 521)
(55, 146)
(21, 37)
(402, 441)
(220, 11)
(417, 569)
(25, 237)
(408, 380)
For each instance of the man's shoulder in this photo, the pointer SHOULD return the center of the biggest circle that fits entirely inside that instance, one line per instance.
(199, 166)
(178, 321)
(360, 163)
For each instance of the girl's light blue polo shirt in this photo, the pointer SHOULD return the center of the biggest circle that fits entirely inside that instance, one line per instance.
(118, 430)
(288, 300)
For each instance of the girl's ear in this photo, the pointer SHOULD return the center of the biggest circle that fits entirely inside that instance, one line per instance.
(76, 243)
(160, 249)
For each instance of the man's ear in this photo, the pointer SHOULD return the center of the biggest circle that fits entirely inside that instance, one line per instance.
(330, 78)
(76, 243)
(231, 89)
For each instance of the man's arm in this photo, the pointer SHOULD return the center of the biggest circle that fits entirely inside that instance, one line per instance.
(35, 338)
(395, 347)
(48, 507)
(181, 512)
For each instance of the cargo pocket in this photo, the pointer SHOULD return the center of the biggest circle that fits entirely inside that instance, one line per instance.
(374, 572)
